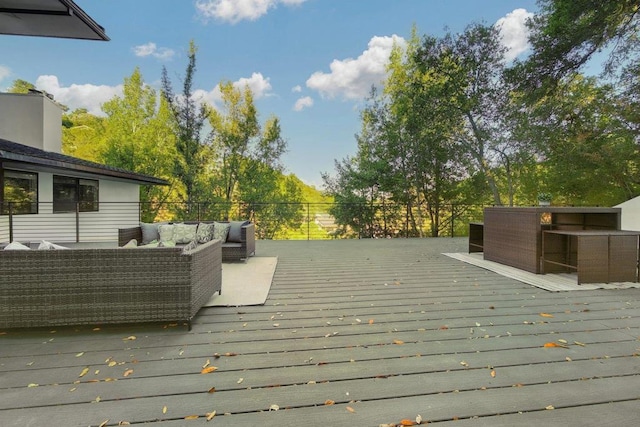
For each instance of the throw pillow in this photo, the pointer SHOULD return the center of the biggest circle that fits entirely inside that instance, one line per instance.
(221, 231)
(133, 243)
(235, 232)
(150, 232)
(204, 232)
(44, 245)
(16, 246)
(166, 232)
(189, 247)
(184, 233)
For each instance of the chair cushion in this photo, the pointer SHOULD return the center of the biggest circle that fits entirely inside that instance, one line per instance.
(184, 233)
(16, 246)
(204, 233)
(235, 231)
(221, 231)
(150, 232)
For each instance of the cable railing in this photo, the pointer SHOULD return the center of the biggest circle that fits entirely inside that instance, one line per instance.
(274, 221)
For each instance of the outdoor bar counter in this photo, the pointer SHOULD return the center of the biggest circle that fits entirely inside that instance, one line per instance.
(513, 235)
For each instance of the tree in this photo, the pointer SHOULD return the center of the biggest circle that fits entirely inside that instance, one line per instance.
(138, 136)
(21, 86)
(189, 117)
(82, 135)
(566, 34)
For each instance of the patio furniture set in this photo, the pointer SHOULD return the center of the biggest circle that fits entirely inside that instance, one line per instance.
(79, 286)
(587, 241)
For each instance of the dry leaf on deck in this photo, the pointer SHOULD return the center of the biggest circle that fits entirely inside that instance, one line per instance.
(191, 417)
(129, 338)
(329, 402)
(399, 342)
(210, 415)
(84, 372)
(164, 409)
(546, 315)
(209, 369)
(350, 409)
(407, 423)
(104, 423)
(493, 374)
(127, 372)
(371, 321)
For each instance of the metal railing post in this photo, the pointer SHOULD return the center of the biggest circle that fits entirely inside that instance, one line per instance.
(10, 222)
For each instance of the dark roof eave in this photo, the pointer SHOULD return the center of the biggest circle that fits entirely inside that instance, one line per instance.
(145, 179)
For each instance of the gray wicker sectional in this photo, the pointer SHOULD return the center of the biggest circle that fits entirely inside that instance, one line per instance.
(236, 250)
(105, 286)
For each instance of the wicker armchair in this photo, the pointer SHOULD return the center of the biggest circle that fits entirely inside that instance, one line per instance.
(102, 286)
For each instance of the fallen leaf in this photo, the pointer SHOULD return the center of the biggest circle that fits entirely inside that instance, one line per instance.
(371, 321)
(104, 423)
(274, 407)
(191, 417)
(419, 419)
(581, 344)
(240, 381)
(399, 342)
(493, 374)
(329, 402)
(206, 364)
(112, 363)
(443, 327)
(33, 385)
(129, 338)
(549, 408)
(553, 344)
(210, 415)
(350, 409)
(212, 390)
(79, 354)
(164, 409)
(84, 372)
(127, 372)
(463, 363)
(209, 369)
(407, 423)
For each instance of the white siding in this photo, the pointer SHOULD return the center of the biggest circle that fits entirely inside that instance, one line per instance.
(630, 214)
(118, 209)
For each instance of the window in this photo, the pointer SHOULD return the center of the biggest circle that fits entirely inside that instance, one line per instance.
(68, 191)
(19, 192)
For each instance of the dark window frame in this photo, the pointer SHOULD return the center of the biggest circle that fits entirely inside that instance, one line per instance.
(78, 193)
(31, 206)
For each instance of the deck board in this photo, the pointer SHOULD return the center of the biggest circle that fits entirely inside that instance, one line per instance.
(389, 328)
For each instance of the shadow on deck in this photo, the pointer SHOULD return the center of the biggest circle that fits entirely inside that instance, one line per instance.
(354, 333)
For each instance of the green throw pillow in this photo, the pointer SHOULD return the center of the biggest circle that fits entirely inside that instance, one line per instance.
(184, 233)
(166, 232)
(221, 231)
(205, 232)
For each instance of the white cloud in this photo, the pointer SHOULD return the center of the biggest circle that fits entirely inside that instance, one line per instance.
(235, 11)
(302, 103)
(76, 96)
(514, 32)
(296, 89)
(4, 72)
(151, 49)
(259, 85)
(352, 78)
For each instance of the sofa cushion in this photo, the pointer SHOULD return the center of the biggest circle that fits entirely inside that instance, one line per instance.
(44, 245)
(204, 233)
(221, 231)
(184, 233)
(166, 232)
(150, 232)
(133, 243)
(190, 246)
(16, 246)
(235, 231)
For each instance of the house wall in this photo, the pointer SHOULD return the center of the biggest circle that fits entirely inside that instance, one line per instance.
(118, 209)
(630, 214)
(31, 119)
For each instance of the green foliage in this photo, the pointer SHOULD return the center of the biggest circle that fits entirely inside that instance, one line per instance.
(21, 86)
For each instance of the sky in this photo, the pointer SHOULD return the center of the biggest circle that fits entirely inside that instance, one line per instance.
(311, 63)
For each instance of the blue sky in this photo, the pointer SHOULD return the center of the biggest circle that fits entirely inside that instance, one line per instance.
(308, 62)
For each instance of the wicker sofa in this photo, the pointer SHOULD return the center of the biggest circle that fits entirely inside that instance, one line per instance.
(103, 286)
(237, 250)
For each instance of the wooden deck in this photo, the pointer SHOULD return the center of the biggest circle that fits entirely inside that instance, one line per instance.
(354, 333)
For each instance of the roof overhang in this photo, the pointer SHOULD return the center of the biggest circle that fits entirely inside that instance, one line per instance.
(48, 18)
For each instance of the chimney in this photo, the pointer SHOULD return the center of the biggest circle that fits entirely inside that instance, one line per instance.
(32, 119)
